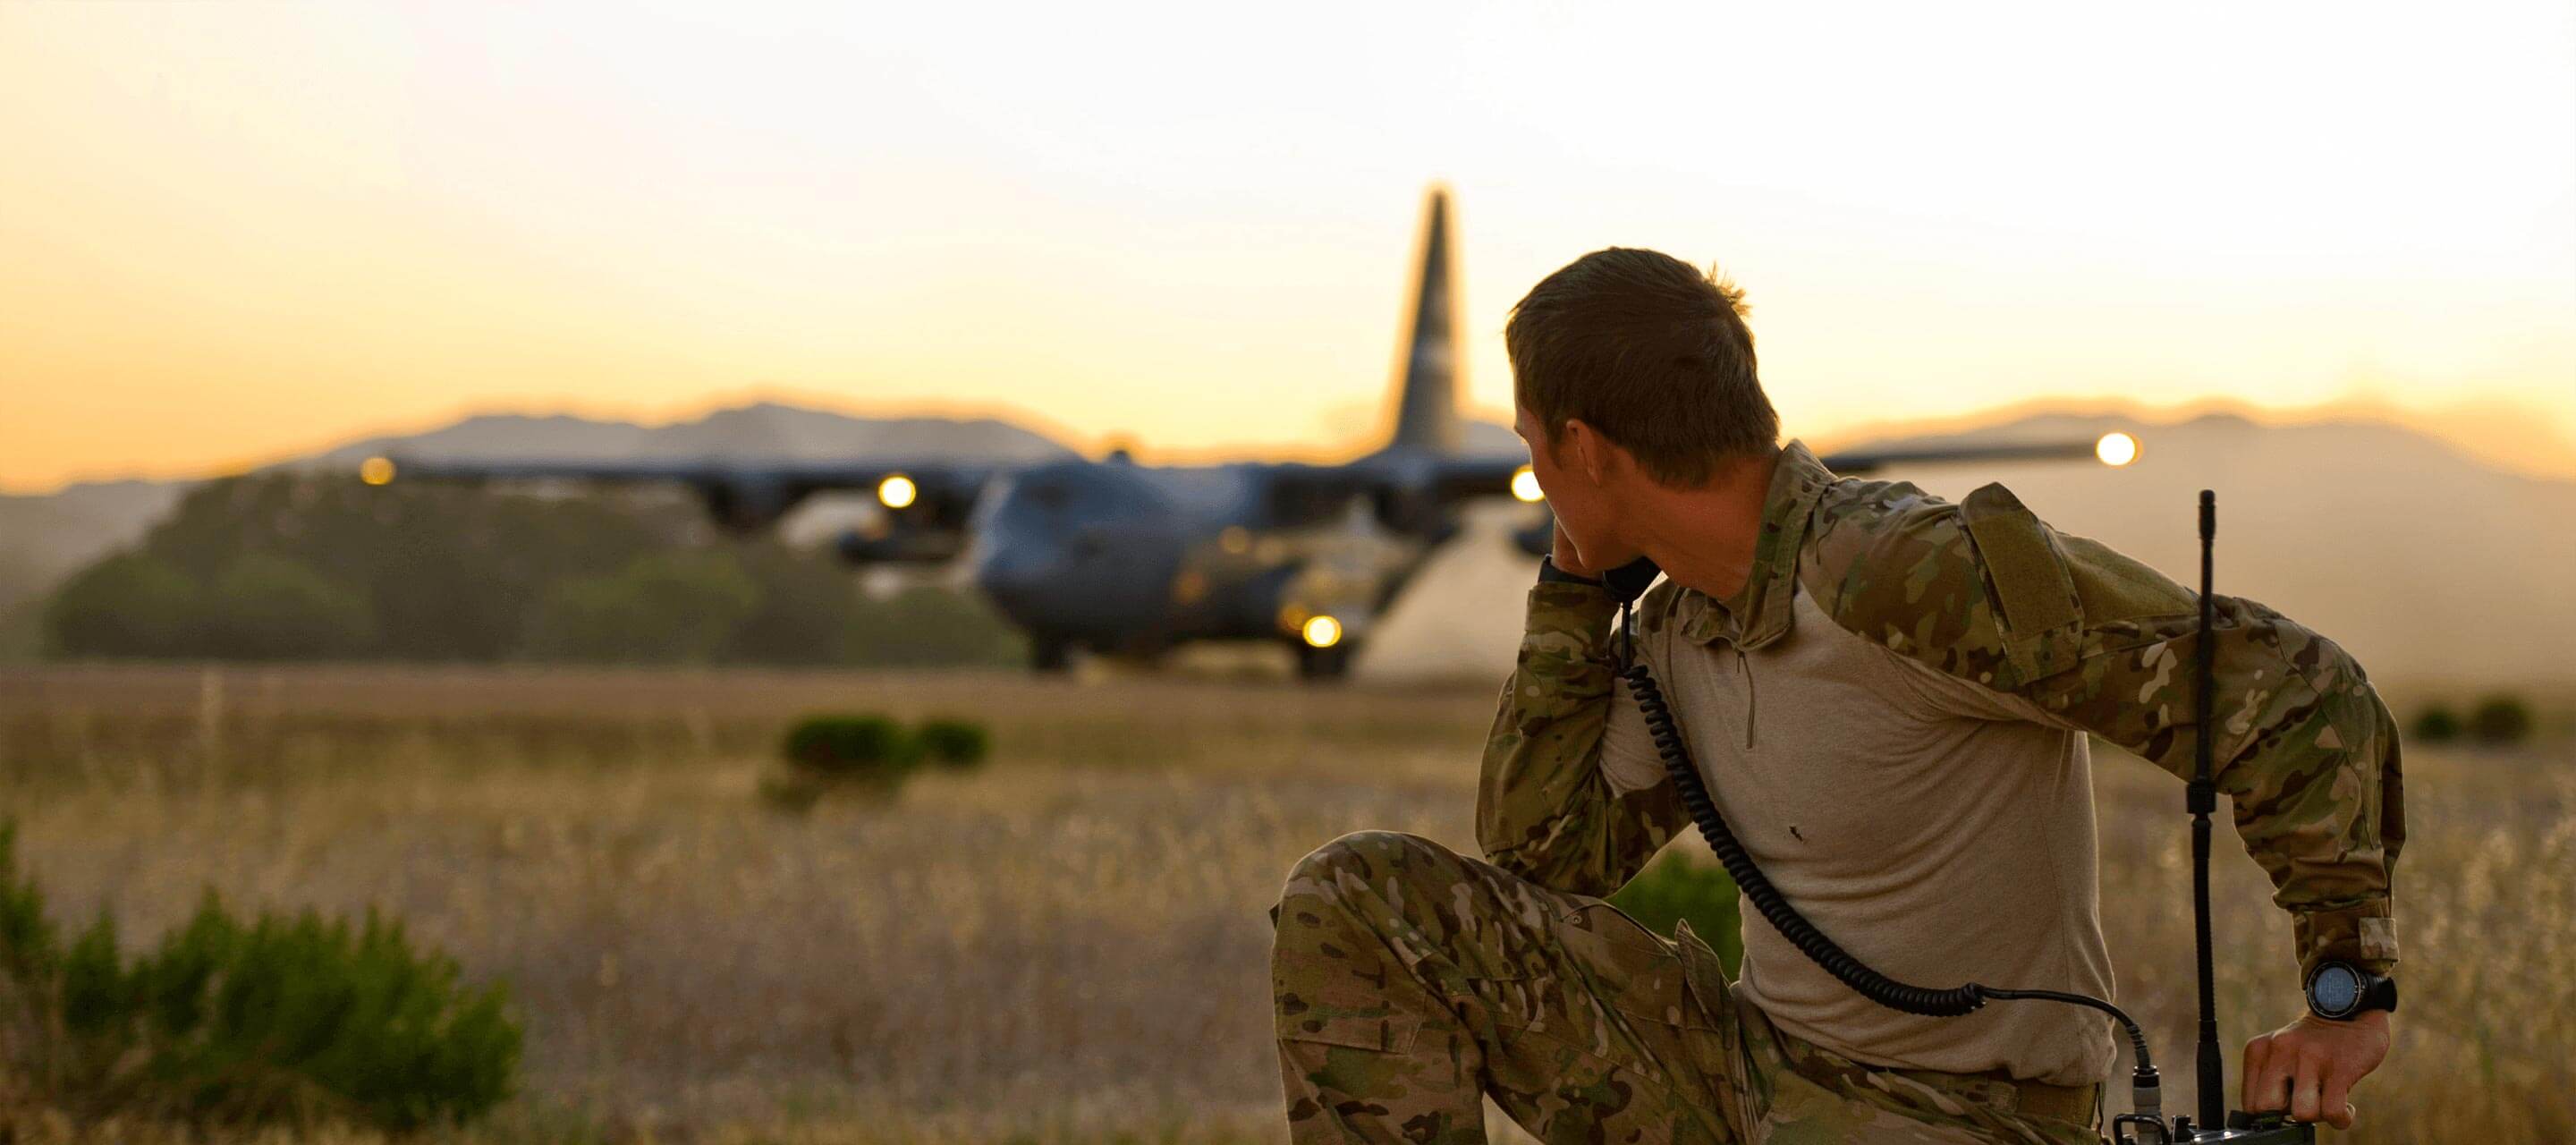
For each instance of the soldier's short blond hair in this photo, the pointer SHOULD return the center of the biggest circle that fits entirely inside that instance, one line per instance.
(1649, 351)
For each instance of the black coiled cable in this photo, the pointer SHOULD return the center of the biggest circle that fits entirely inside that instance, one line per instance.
(1947, 1002)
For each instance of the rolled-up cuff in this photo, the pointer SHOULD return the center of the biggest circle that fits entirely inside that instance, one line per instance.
(1571, 617)
(2364, 935)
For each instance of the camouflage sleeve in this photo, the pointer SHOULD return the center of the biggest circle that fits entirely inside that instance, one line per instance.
(2305, 749)
(1547, 809)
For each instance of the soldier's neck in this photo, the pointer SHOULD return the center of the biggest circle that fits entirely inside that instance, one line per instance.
(1704, 538)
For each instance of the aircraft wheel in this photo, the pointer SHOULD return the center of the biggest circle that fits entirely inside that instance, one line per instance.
(1319, 665)
(1050, 655)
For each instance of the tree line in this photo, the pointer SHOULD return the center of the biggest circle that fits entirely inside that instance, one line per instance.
(303, 567)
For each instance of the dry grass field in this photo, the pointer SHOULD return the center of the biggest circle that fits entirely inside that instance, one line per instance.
(1066, 945)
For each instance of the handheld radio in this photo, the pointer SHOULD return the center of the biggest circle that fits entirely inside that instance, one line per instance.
(2144, 1124)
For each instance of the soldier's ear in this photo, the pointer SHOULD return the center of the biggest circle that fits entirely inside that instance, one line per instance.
(1591, 451)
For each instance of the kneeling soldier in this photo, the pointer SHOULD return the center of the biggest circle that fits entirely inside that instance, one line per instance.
(1889, 695)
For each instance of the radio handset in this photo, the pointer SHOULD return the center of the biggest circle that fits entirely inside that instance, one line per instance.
(1629, 581)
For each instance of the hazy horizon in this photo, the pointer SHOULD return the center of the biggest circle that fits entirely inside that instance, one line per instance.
(2489, 435)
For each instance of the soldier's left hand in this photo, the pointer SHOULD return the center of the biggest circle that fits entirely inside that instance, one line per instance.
(2309, 1066)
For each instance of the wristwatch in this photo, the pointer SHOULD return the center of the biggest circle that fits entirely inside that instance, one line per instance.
(2338, 991)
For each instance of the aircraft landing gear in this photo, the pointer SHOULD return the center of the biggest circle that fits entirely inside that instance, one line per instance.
(1320, 665)
(1050, 655)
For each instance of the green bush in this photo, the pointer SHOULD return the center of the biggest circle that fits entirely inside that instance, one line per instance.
(2500, 720)
(662, 608)
(869, 748)
(955, 743)
(130, 604)
(2437, 724)
(267, 607)
(231, 1022)
(1677, 887)
(926, 625)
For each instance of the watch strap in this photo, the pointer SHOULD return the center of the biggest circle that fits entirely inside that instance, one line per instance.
(2379, 993)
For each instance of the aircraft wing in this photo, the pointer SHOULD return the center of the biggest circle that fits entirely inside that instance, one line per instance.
(923, 494)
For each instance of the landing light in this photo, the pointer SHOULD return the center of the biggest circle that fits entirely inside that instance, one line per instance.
(1322, 632)
(2116, 449)
(376, 470)
(897, 491)
(1525, 484)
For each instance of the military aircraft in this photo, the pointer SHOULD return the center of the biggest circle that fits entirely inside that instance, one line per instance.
(1118, 557)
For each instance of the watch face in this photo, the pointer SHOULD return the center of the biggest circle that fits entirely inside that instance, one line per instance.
(2335, 990)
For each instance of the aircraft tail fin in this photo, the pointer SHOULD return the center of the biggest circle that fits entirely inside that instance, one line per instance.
(1426, 411)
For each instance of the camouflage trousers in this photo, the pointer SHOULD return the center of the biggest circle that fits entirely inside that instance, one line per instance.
(1411, 982)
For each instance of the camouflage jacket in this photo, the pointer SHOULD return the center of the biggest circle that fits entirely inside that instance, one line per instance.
(1984, 591)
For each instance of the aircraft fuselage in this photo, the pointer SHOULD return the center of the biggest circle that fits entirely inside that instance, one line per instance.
(1120, 557)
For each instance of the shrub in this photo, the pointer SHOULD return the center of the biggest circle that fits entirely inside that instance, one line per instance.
(2500, 720)
(860, 748)
(667, 607)
(131, 604)
(928, 625)
(956, 743)
(2437, 724)
(277, 1019)
(268, 607)
(1678, 887)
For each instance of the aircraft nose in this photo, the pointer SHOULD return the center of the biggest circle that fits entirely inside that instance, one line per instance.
(1105, 582)
(1018, 576)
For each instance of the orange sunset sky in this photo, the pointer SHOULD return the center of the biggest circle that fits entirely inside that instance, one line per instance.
(229, 233)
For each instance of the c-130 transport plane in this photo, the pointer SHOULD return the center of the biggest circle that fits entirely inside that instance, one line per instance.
(1117, 557)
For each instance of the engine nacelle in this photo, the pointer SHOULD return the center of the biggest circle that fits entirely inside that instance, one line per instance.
(749, 505)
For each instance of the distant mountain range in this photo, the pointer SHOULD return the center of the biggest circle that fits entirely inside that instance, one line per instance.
(2422, 560)
(43, 538)
(765, 431)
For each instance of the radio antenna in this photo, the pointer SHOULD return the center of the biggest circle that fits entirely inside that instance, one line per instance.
(2202, 798)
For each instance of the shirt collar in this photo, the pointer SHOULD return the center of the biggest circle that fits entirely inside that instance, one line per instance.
(1759, 612)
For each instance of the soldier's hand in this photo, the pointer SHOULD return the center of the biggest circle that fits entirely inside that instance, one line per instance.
(2309, 1066)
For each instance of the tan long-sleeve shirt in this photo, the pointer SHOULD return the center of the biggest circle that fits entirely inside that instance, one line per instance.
(1892, 715)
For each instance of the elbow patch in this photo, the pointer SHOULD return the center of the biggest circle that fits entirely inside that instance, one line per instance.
(2034, 595)
(2051, 589)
